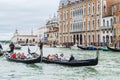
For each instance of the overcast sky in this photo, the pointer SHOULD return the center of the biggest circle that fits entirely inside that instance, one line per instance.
(24, 15)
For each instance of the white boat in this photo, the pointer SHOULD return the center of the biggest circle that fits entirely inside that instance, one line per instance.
(74, 47)
(17, 46)
(60, 46)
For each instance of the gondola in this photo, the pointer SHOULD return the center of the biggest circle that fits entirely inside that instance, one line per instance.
(27, 61)
(113, 49)
(75, 63)
(83, 48)
(87, 48)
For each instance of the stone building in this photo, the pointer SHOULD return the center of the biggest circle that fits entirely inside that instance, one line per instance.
(52, 33)
(23, 39)
(86, 21)
(116, 25)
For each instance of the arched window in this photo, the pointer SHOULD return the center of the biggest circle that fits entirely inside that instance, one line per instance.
(104, 39)
(98, 23)
(33, 40)
(107, 23)
(111, 21)
(104, 9)
(103, 22)
(111, 39)
(93, 24)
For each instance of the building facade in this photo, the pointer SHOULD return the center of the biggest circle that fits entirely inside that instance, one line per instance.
(52, 33)
(83, 21)
(41, 33)
(116, 25)
(23, 39)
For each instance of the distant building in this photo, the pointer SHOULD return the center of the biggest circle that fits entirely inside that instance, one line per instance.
(53, 30)
(19, 38)
(41, 33)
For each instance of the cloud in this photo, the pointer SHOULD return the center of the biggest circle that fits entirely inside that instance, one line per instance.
(23, 14)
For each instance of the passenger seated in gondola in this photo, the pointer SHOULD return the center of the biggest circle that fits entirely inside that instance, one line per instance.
(29, 56)
(34, 55)
(13, 55)
(18, 55)
(22, 56)
(48, 56)
(56, 57)
(71, 58)
(62, 57)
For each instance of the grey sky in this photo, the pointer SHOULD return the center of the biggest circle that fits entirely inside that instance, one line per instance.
(24, 15)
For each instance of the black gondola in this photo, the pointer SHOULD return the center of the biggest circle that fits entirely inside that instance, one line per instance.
(28, 61)
(75, 63)
(113, 49)
(83, 48)
(88, 47)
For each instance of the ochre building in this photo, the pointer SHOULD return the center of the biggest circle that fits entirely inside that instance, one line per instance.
(84, 21)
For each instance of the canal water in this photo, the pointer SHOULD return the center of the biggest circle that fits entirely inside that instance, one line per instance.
(108, 67)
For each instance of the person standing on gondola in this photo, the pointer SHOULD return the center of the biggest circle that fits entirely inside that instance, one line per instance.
(40, 45)
(12, 46)
(1, 47)
(71, 58)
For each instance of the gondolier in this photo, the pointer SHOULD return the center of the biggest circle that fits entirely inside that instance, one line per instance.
(1, 47)
(40, 45)
(12, 46)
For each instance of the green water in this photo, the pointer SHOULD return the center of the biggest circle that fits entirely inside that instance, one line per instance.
(108, 67)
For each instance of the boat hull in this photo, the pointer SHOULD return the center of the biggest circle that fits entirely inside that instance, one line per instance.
(90, 62)
(113, 49)
(27, 61)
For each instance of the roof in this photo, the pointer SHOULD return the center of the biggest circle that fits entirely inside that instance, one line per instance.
(65, 2)
(26, 35)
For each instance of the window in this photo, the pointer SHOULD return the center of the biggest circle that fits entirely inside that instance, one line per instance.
(111, 39)
(111, 21)
(93, 24)
(98, 6)
(104, 39)
(103, 22)
(89, 9)
(114, 19)
(89, 25)
(98, 23)
(93, 8)
(107, 23)
(104, 9)
(93, 38)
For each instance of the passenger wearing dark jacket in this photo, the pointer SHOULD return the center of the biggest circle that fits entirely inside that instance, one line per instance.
(12, 46)
(71, 58)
